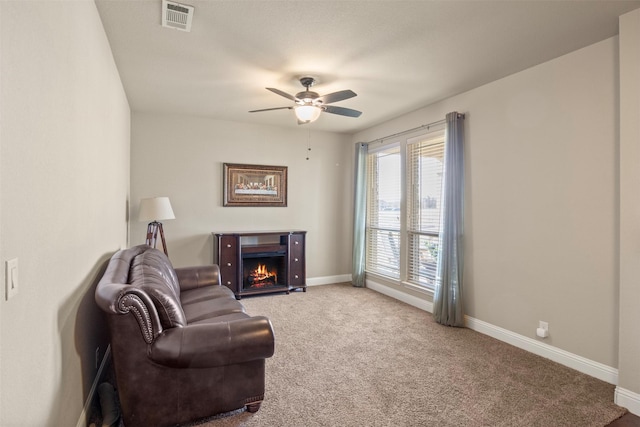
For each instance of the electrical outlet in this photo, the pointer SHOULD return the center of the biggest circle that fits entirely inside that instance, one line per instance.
(97, 357)
(544, 325)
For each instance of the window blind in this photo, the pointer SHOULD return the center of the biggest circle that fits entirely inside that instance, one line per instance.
(383, 212)
(425, 156)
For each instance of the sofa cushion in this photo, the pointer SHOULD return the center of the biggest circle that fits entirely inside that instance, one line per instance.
(205, 294)
(152, 272)
(210, 309)
(221, 318)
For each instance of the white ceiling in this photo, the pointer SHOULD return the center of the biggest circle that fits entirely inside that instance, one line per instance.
(397, 56)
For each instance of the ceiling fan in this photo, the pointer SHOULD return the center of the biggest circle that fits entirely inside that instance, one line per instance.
(309, 105)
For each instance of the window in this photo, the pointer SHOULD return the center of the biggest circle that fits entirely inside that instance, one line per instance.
(424, 183)
(383, 212)
(403, 215)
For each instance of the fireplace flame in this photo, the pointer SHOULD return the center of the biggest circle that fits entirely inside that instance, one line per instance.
(261, 272)
(262, 276)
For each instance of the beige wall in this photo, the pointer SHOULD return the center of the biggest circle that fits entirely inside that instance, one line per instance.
(630, 204)
(65, 183)
(542, 199)
(546, 217)
(182, 158)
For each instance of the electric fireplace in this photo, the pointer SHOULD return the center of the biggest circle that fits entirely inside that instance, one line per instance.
(261, 262)
(263, 270)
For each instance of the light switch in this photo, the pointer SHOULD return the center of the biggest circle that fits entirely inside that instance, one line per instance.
(11, 278)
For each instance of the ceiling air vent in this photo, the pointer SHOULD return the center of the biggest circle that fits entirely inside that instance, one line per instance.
(176, 15)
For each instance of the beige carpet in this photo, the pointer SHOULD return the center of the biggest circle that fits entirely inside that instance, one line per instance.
(353, 357)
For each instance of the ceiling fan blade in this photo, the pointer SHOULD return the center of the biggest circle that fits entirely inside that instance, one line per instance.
(271, 109)
(337, 96)
(281, 93)
(342, 111)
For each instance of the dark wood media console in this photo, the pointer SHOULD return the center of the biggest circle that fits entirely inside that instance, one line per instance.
(261, 262)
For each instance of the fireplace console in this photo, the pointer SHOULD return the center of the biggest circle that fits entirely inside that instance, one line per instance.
(261, 262)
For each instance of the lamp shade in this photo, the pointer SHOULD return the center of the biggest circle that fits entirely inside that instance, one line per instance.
(155, 208)
(307, 113)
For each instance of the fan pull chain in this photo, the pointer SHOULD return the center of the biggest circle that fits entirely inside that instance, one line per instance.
(309, 144)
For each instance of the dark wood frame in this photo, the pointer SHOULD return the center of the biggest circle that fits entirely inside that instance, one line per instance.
(273, 177)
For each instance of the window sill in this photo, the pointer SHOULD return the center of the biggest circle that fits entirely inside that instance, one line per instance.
(406, 292)
(400, 283)
(417, 288)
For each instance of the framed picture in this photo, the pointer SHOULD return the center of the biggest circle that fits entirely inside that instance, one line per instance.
(254, 185)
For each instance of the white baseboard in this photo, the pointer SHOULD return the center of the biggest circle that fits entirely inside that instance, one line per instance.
(628, 399)
(579, 363)
(327, 280)
(84, 415)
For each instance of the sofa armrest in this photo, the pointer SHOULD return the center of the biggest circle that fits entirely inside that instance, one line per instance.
(197, 277)
(119, 299)
(214, 344)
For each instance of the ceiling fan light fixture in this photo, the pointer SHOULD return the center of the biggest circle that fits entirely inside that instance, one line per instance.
(307, 113)
(309, 105)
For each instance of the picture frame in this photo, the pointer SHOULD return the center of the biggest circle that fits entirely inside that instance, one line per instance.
(254, 185)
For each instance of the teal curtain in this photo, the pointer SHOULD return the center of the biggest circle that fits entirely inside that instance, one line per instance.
(447, 299)
(359, 215)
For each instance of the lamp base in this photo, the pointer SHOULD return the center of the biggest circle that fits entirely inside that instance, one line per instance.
(152, 235)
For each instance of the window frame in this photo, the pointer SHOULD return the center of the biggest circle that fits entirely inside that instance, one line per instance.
(377, 231)
(421, 263)
(406, 233)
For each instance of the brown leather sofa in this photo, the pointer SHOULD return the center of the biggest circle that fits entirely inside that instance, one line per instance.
(183, 347)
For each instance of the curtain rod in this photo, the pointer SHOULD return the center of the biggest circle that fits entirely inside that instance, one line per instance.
(439, 122)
